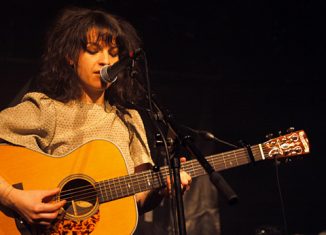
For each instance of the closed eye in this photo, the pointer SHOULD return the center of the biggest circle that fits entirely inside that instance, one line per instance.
(93, 48)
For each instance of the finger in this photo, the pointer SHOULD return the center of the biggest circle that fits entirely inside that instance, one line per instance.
(183, 188)
(48, 217)
(50, 207)
(185, 178)
(47, 195)
(51, 192)
(189, 179)
(168, 182)
(44, 222)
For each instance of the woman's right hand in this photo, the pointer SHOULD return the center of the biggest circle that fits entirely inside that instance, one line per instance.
(35, 206)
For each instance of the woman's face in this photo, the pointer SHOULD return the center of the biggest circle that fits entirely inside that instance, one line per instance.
(97, 54)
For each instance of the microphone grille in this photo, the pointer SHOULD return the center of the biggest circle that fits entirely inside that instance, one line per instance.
(105, 75)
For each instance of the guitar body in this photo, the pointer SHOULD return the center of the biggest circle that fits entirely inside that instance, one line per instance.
(92, 162)
(94, 181)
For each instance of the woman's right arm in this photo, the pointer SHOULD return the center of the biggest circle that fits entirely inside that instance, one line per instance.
(35, 206)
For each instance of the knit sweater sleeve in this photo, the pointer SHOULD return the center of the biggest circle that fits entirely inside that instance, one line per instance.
(30, 124)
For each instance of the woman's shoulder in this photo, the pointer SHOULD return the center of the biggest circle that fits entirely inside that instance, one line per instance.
(37, 100)
(37, 97)
(131, 114)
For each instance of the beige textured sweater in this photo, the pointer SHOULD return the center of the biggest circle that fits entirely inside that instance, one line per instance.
(46, 125)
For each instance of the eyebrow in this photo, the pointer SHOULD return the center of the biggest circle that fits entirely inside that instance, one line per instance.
(113, 48)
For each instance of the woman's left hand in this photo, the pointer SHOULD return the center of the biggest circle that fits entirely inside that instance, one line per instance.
(185, 180)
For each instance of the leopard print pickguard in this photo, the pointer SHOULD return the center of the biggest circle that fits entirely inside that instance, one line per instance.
(71, 227)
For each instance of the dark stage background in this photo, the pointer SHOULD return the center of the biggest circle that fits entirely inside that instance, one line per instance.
(240, 69)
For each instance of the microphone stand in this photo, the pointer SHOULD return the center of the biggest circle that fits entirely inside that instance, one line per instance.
(185, 140)
(181, 140)
(174, 165)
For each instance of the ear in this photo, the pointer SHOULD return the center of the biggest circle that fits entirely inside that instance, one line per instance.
(70, 61)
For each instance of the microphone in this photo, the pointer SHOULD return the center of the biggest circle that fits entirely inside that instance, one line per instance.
(109, 73)
(210, 136)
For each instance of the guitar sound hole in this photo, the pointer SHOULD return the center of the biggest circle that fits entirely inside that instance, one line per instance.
(81, 198)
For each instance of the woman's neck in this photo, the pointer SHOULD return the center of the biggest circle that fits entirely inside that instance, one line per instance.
(97, 98)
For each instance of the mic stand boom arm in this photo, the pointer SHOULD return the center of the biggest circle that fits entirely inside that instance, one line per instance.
(215, 177)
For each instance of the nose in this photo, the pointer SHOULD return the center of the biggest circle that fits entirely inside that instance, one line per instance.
(105, 58)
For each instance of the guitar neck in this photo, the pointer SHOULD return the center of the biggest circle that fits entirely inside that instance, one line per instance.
(225, 160)
(289, 145)
(128, 185)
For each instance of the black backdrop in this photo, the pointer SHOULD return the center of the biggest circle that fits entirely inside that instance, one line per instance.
(241, 69)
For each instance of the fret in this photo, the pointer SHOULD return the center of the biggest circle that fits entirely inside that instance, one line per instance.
(119, 182)
(261, 152)
(114, 188)
(220, 166)
(129, 185)
(191, 170)
(108, 190)
(230, 162)
(256, 151)
(223, 159)
(142, 184)
(102, 189)
(139, 186)
(105, 189)
(149, 180)
(246, 158)
(159, 177)
(99, 192)
(149, 183)
(125, 186)
(236, 158)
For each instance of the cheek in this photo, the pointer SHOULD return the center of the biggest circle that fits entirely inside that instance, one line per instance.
(82, 70)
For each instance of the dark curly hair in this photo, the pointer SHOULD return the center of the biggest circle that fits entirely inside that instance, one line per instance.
(67, 37)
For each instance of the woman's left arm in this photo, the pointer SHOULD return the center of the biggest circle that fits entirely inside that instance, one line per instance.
(148, 200)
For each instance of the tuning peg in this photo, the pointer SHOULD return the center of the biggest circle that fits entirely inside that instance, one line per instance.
(269, 136)
(290, 129)
(158, 139)
(277, 162)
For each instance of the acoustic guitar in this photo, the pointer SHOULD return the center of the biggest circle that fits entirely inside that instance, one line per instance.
(99, 191)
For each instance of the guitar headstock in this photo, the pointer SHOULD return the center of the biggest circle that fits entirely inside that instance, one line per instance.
(289, 145)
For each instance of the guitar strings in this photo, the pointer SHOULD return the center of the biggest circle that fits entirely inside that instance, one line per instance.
(145, 174)
(140, 178)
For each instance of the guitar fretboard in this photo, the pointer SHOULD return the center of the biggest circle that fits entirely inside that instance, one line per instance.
(128, 185)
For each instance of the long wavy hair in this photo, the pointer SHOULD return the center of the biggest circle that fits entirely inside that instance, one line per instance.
(67, 37)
